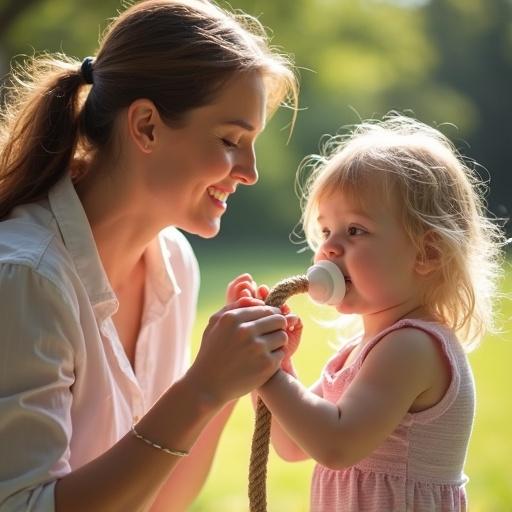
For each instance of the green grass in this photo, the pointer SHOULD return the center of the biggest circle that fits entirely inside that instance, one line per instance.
(489, 463)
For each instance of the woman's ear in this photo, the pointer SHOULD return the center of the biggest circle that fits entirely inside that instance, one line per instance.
(429, 255)
(143, 119)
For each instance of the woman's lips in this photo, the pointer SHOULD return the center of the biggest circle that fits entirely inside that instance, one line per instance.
(218, 194)
(219, 197)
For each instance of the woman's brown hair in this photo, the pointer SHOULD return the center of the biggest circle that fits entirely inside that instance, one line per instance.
(177, 53)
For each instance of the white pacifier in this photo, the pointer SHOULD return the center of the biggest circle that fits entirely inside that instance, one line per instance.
(326, 283)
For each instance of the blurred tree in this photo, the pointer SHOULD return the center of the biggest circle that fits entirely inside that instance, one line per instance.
(358, 59)
(443, 61)
(474, 41)
(9, 11)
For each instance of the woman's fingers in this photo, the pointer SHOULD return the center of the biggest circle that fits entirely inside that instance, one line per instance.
(276, 342)
(247, 309)
(242, 347)
(243, 302)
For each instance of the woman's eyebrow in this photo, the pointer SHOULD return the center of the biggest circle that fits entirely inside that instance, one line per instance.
(241, 123)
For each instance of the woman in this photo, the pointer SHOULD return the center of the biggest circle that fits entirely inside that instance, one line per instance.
(98, 294)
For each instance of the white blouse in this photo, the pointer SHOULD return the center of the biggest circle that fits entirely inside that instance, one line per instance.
(67, 389)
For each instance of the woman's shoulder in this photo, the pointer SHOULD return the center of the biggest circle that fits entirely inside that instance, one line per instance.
(32, 248)
(23, 242)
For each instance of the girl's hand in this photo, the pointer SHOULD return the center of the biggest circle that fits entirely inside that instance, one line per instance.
(244, 286)
(294, 332)
(242, 347)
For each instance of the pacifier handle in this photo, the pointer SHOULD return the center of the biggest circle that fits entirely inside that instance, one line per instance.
(326, 283)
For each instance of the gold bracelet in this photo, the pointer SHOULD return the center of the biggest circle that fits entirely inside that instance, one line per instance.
(177, 453)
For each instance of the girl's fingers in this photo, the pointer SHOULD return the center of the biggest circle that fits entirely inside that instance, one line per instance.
(241, 277)
(262, 292)
(242, 302)
(292, 321)
(243, 287)
(244, 293)
(285, 309)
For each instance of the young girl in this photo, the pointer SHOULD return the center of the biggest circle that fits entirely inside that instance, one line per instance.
(100, 162)
(390, 418)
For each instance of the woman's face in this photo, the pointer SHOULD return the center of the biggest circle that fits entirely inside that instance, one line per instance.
(194, 169)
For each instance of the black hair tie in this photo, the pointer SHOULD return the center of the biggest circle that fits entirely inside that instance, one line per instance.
(86, 70)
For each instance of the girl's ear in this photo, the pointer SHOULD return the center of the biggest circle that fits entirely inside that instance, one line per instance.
(429, 256)
(143, 119)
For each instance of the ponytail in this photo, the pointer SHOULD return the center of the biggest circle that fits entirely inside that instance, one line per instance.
(39, 130)
(176, 53)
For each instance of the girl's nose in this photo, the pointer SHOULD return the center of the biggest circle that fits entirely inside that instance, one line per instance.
(332, 249)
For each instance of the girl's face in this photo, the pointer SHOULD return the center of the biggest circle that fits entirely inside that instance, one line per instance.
(365, 239)
(196, 167)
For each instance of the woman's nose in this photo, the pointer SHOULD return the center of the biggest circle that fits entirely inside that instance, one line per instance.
(245, 170)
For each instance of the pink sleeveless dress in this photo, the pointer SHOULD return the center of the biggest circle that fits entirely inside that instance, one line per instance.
(419, 467)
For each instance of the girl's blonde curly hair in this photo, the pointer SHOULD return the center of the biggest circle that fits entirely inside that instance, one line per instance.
(439, 195)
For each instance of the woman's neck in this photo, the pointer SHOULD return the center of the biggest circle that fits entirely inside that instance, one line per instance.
(121, 230)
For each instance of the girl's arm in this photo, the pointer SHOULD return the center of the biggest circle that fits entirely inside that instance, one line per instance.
(402, 366)
(284, 445)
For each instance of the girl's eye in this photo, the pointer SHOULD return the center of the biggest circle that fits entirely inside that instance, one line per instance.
(325, 233)
(228, 143)
(354, 231)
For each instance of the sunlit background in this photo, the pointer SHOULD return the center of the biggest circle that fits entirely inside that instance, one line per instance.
(446, 62)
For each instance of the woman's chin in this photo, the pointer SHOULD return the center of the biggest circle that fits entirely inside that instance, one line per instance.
(208, 231)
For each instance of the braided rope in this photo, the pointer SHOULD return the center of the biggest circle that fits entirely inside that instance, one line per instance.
(261, 436)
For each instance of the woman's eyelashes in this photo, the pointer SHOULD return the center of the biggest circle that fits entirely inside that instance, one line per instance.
(229, 143)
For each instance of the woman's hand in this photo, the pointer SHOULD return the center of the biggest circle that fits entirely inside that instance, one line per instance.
(293, 330)
(242, 347)
(245, 286)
